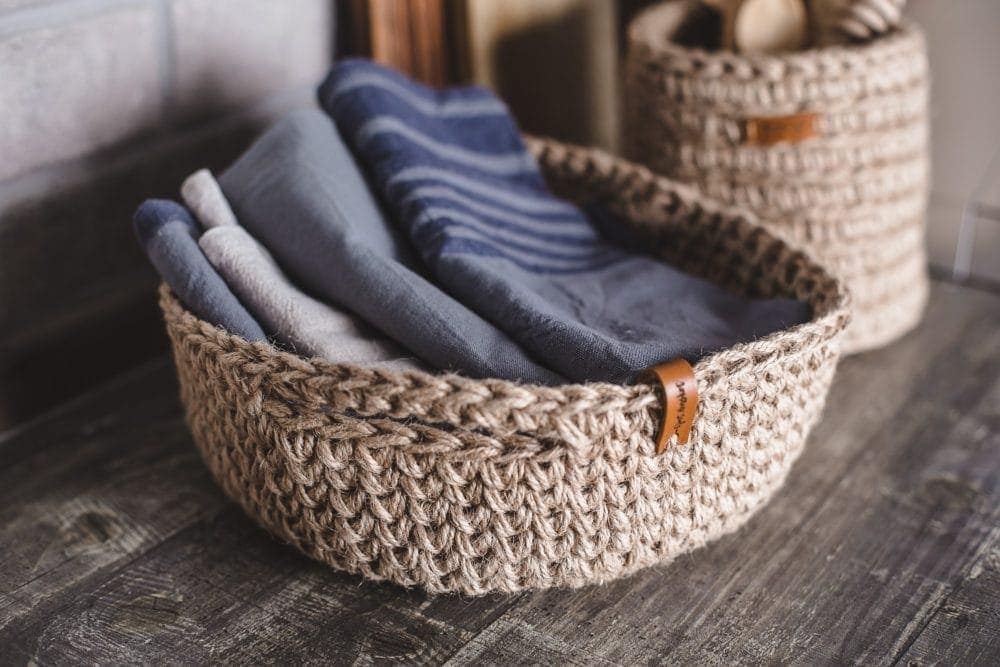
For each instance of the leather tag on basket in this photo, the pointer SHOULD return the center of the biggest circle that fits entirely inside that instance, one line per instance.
(680, 400)
(770, 130)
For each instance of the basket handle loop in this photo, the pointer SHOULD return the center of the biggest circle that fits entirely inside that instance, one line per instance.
(680, 400)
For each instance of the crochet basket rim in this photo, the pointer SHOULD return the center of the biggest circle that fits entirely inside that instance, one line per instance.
(648, 29)
(476, 486)
(826, 313)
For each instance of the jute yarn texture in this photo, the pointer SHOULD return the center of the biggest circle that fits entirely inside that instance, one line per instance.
(852, 189)
(475, 486)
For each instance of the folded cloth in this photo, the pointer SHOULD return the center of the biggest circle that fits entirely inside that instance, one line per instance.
(298, 191)
(295, 319)
(452, 170)
(202, 194)
(168, 234)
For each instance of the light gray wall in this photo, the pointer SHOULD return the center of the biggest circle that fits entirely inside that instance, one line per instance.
(102, 104)
(964, 45)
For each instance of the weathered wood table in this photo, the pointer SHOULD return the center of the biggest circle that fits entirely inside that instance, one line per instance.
(883, 547)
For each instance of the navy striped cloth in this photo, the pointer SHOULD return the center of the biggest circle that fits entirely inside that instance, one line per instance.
(453, 172)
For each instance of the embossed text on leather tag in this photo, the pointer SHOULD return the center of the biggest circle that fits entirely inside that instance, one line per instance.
(680, 400)
(769, 130)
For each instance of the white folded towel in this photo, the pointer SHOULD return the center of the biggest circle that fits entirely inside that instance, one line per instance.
(300, 322)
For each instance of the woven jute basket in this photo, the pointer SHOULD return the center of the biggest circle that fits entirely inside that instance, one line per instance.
(829, 147)
(466, 485)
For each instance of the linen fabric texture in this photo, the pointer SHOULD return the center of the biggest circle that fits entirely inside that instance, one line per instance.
(456, 178)
(300, 193)
(168, 234)
(299, 322)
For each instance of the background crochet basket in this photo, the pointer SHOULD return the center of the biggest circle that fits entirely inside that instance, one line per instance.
(829, 147)
(455, 484)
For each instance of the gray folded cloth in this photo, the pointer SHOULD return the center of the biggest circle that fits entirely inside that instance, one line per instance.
(202, 194)
(168, 234)
(299, 192)
(298, 321)
(301, 323)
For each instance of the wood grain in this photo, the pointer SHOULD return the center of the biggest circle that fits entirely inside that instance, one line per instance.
(412, 37)
(555, 63)
(883, 547)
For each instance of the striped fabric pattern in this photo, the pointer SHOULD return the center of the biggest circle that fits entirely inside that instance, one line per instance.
(454, 174)
(299, 191)
(454, 167)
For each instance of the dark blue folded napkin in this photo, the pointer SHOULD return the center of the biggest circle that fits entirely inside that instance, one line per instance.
(453, 173)
(169, 234)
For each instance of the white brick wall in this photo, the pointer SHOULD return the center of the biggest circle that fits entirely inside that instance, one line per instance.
(229, 52)
(104, 103)
(68, 89)
(77, 76)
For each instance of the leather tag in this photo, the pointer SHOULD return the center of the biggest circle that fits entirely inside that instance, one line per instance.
(770, 130)
(680, 400)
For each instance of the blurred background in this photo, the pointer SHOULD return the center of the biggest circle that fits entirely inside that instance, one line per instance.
(107, 102)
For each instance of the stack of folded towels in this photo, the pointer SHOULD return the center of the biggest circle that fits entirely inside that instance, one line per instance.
(408, 228)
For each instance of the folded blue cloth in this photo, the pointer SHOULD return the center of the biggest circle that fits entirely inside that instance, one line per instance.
(299, 192)
(169, 234)
(454, 174)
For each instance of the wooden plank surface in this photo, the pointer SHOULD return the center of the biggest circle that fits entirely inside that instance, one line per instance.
(883, 547)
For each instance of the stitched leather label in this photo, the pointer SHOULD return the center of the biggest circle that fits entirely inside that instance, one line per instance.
(769, 130)
(680, 400)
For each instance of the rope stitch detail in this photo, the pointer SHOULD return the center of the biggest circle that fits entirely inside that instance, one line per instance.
(475, 486)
